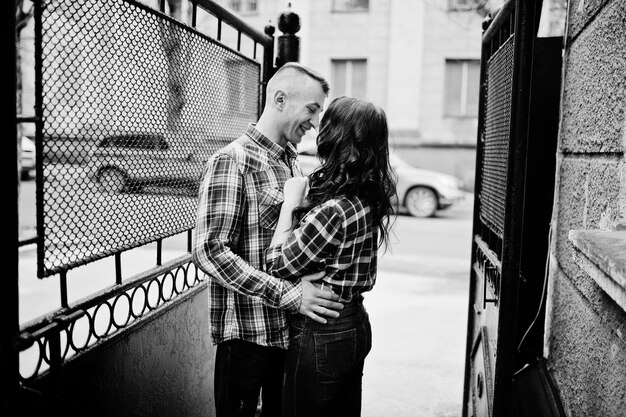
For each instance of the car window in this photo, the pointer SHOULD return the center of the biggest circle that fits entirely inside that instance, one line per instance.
(397, 162)
(161, 143)
(105, 143)
(149, 142)
(141, 142)
(308, 152)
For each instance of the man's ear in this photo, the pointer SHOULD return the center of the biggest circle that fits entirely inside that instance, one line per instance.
(280, 99)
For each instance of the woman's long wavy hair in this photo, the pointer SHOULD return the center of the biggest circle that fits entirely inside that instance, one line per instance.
(353, 147)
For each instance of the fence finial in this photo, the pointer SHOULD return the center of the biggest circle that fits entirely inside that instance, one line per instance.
(288, 42)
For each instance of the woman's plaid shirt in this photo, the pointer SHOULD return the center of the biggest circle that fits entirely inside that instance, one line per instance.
(239, 204)
(338, 237)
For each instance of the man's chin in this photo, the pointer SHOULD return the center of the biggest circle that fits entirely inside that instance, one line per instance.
(295, 140)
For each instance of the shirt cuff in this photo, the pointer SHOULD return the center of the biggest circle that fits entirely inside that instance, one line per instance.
(291, 298)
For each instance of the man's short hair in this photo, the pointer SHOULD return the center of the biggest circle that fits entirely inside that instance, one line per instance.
(308, 71)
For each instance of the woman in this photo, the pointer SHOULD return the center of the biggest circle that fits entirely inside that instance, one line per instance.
(337, 228)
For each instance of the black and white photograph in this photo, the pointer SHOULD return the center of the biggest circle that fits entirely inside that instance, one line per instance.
(315, 208)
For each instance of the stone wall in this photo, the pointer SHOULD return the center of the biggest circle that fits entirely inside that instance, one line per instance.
(585, 340)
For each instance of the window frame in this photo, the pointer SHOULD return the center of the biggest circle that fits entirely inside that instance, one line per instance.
(235, 5)
(463, 98)
(464, 5)
(349, 90)
(344, 6)
(244, 7)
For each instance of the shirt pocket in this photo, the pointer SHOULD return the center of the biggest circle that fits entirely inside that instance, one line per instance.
(270, 201)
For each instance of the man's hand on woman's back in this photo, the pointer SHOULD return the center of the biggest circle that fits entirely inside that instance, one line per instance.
(318, 302)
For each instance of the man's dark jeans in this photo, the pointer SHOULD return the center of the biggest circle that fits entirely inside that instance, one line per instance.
(242, 371)
(324, 365)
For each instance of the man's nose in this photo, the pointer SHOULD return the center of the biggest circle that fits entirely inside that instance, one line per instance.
(315, 121)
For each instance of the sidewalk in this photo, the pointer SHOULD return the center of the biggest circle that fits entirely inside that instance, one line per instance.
(415, 368)
(418, 311)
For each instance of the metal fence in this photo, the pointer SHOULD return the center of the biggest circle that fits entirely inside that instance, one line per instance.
(517, 135)
(130, 103)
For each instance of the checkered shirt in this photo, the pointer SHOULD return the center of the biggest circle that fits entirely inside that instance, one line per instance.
(338, 237)
(239, 204)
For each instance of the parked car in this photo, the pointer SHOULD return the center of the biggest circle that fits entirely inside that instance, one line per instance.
(421, 192)
(128, 162)
(28, 157)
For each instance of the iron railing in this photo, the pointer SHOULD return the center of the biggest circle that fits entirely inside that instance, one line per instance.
(130, 103)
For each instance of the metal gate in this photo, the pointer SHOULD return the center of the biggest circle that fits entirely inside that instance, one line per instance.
(129, 104)
(515, 171)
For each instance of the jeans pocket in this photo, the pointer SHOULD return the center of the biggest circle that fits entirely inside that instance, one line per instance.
(295, 334)
(368, 335)
(335, 353)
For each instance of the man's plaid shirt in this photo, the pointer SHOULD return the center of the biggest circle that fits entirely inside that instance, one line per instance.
(338, 237)
(239, 204)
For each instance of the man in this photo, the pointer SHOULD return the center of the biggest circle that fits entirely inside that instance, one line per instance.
(239, 204)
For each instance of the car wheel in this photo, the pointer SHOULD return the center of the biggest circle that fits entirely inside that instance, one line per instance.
(112, 181)
(421, 202)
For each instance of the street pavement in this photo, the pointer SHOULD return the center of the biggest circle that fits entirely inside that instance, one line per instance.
(418, 311)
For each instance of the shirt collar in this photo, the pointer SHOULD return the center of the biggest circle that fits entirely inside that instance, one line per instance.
(274, 149)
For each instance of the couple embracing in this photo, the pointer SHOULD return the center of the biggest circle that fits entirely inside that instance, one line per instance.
(289, 257)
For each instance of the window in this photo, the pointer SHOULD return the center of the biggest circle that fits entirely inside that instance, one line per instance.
(350, 5)
(235, 5)
(349, 78)
(461, 87)
(243, 6)
(466, 4)
(135, 141)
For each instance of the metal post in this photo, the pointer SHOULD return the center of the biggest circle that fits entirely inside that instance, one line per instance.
(288, 42)
(9, 356)
(268, 67)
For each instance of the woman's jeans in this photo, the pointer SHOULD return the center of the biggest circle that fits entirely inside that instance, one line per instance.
(324, 365)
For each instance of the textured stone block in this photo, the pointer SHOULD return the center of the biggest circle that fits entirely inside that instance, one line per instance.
(586, 355)
(581, 12)
(594, 97)
(588, 197)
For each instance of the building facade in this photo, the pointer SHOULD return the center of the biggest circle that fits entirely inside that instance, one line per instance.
(419, 60)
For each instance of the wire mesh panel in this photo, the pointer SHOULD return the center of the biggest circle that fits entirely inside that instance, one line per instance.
(496, 137)
(132, 105)
(518, 130)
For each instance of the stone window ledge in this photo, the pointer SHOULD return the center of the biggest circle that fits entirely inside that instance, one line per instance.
(602, 255)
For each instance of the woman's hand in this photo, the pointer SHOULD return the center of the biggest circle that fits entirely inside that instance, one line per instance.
(295, 191)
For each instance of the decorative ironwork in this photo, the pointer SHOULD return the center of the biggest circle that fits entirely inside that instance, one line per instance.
(73, 330)
(488, 268)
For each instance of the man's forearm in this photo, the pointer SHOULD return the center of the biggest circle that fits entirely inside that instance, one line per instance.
(231, 271)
